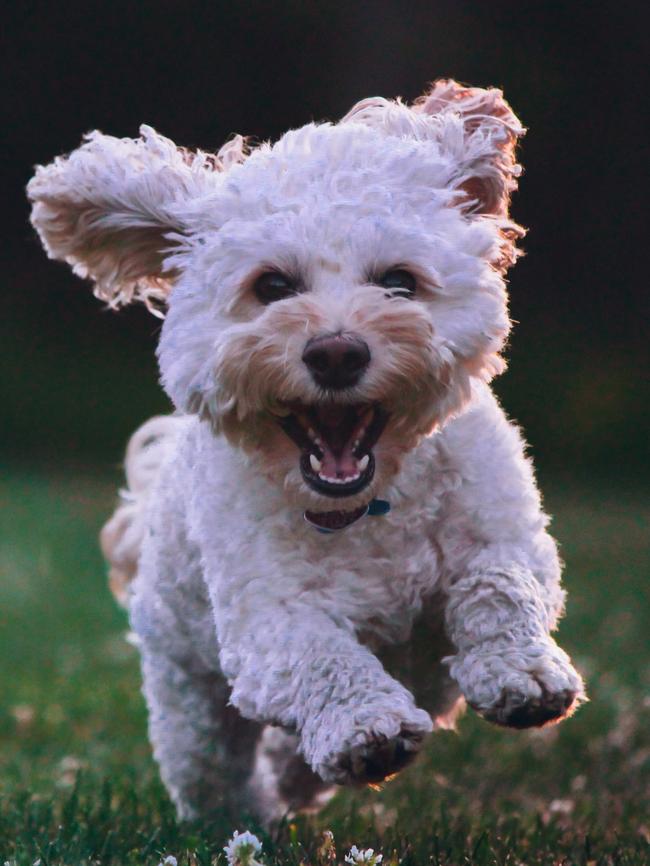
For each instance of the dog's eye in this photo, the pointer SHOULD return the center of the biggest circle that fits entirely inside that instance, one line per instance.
(273, 286)
(400, 283)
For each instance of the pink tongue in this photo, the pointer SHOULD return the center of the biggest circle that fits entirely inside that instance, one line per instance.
(342, 465)
(338, 460)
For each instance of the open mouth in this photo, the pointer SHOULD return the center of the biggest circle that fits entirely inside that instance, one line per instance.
(335, 443)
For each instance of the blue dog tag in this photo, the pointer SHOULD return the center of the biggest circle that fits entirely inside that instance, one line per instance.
(378, 507)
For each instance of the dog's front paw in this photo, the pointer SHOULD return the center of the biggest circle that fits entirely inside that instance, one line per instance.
(370, 750)
(520, 687)
(377, 757)
(514, 709)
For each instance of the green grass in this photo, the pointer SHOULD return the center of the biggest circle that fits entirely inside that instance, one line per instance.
(78, 785)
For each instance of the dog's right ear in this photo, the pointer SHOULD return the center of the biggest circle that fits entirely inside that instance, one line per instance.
(113, 209)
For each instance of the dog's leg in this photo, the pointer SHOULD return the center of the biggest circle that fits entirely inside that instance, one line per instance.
(292, 664)
(204, 748)
(503, 580)
(282, 783)
(508, 666)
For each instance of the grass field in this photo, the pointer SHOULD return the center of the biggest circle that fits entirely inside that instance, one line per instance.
(78, 785)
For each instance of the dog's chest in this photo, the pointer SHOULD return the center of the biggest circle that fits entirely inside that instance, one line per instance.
(375, 575)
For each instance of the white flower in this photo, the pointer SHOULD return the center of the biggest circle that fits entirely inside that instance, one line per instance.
(366, 857)
(169, 861)
(242, 848)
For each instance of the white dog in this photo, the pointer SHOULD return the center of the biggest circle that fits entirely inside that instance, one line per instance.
(336, 309)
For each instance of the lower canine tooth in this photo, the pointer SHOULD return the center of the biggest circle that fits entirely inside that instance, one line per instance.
(315, 463)
(363, 463)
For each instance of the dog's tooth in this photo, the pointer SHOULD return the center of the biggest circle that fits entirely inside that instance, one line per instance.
(355, 444)
(363, 463)
(312, 433)
(315, 463)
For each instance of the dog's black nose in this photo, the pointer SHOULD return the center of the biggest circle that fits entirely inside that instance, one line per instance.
(336, 361)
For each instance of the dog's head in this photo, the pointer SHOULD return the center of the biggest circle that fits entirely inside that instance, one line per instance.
(330, 297)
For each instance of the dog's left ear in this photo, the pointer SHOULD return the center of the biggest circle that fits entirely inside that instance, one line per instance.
(113, 209)
(488, 170)
(474, 130)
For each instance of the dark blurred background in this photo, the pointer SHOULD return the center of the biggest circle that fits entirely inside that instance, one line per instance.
(76, 379)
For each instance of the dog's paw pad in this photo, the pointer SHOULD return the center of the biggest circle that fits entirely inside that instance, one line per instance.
(514, 710)
(378, 758)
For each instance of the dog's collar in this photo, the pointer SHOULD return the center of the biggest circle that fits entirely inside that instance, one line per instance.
(333, 521)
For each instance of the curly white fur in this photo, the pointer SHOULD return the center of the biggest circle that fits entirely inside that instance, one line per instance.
(357, 644)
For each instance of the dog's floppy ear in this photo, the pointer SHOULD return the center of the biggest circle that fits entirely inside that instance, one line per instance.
(111, 209)
(473, 133)
(474, 130)
(488, 170)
